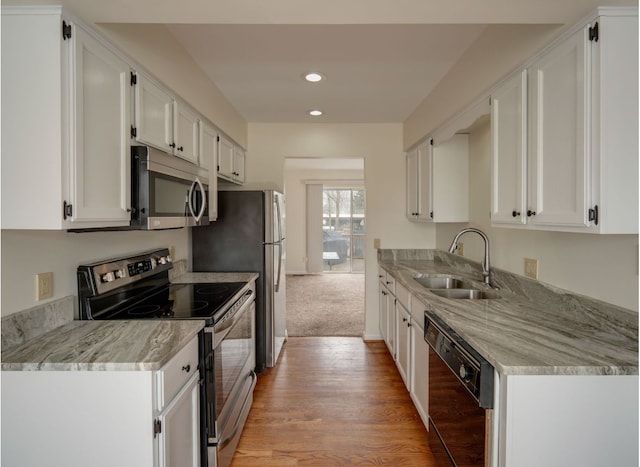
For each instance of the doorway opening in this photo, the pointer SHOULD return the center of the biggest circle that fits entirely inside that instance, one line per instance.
(325, 300)
(343, 228)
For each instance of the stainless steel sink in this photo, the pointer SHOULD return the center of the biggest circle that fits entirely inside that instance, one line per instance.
(433, 281)
(468, 294)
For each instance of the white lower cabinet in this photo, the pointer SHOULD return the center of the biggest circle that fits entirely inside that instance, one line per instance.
(178, 440)
(562, 420)
(103, 418)
(409, 349)
(403, 343)
(419, 387)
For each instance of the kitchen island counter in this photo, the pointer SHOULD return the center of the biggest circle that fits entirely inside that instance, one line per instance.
(533, 328)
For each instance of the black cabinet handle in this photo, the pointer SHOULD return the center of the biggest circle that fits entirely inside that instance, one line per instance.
(181, 148)
(530, 213)
(515, 214)
(172, 145)
(186, 368)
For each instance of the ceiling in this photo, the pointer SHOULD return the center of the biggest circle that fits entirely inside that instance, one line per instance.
(381, 58)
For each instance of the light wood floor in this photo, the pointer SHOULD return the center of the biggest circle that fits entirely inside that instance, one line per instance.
(333, 401)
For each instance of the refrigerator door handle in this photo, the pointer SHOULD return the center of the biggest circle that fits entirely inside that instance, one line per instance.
(279, 217)
(278, 241)
(279, 245)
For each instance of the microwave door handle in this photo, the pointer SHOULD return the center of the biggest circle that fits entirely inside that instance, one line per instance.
(204, 201)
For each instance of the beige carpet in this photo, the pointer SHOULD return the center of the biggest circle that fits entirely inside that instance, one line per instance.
(325, 305)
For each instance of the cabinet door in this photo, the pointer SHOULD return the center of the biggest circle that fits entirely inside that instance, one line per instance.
(391, 325)
(225, 157)
(419, 388)
(558, 150)
(238, 164)
(153, 115)
(209, 160)
(449, 182)
(383, 312)
(425, 174)
(179, 437)
(412, 184)
(508, 151)
(100, 157)
(403, 344)
(186, 132)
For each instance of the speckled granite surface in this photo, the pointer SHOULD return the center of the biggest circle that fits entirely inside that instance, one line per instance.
(533, 328)
(23, 326)
(104, 345)
(191, 277)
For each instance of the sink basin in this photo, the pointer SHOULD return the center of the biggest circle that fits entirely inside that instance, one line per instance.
(468, 294)
(440, 281)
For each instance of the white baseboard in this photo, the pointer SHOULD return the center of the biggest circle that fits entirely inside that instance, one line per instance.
(371, 337)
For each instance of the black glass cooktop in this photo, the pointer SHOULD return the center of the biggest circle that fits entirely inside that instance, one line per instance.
(177, 301)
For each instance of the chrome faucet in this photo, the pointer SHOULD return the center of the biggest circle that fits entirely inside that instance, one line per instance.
(486, 273)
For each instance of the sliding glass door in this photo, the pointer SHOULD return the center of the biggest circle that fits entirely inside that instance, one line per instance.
(343, 230)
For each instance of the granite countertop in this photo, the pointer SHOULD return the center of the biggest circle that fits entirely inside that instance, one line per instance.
(47, 338)
(533, 329)
(123, 345)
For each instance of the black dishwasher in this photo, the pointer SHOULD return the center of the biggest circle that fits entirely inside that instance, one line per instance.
(460, 396)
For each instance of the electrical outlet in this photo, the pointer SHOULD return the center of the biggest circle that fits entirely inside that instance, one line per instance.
(376, 243)
(44, 285)
(531, 268)
(460, 249)
(172, 252)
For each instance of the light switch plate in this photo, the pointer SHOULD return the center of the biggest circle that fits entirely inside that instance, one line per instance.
(44, 285)
(531, 268)
(376, 243)
(460, 249)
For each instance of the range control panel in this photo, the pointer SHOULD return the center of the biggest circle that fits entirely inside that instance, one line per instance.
(111, 274)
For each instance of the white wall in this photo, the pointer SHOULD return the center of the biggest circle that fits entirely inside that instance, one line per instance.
(295, 193)
(599, 266)
(381, 147)
(26, 253)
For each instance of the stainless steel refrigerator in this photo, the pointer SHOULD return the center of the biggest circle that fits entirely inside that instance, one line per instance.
(249, 236)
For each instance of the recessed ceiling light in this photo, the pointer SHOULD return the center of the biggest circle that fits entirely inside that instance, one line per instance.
(313, 77)
(315, 112)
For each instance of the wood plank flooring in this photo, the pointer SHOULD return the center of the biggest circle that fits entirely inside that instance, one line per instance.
(333, 401)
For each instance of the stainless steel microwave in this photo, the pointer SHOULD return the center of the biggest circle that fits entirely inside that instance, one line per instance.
(166, 191)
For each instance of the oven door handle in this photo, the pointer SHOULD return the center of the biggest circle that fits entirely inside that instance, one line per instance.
(236, 424)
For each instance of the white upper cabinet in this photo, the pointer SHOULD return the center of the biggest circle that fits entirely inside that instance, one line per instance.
(509, 151)
(231, 161)
(186, 132)
(412, 183)
(101, 156)
(209, 161)
(66, 122)
(165, 122)
(566, 158)
(437, 181)
(558, 128)
(238, 164)
(153, 114)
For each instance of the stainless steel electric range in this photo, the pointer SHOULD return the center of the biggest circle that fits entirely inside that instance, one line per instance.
(138, 287)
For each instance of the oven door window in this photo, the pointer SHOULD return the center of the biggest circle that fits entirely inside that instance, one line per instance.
(231, 360)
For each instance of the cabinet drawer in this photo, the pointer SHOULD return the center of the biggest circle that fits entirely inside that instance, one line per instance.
(417, 311)
(171, 377)
(402, 294)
